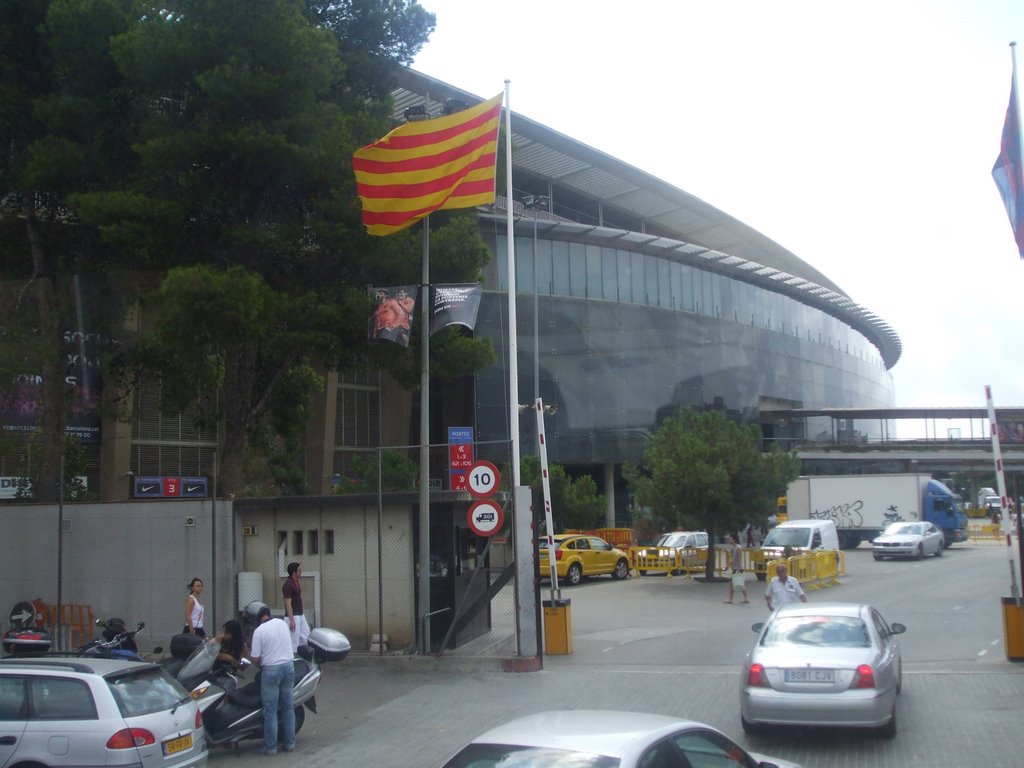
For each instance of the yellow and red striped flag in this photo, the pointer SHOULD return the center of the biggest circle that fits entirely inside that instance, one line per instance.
(431, 165)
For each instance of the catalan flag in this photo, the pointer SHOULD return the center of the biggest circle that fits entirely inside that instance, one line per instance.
(431, 165)
(1008, 171)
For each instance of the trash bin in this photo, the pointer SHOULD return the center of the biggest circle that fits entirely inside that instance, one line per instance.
(1013, 629)
(557, 627)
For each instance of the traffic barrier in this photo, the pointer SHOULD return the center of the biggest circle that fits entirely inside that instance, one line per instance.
(991, 532)
(666, 560)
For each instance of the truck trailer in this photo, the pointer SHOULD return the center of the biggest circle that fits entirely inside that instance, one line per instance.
(862, 506)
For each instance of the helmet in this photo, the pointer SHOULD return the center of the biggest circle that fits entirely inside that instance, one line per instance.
(253, 614)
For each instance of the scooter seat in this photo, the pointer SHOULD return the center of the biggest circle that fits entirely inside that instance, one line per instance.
(248, 695)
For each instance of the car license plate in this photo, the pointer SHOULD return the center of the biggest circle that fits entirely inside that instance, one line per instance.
(809, 675)
(177, 745)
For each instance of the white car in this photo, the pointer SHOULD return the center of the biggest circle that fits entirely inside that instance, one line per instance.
(605, 739)
(909, 540)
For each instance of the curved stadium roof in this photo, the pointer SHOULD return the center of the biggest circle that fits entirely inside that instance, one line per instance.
(671, 222)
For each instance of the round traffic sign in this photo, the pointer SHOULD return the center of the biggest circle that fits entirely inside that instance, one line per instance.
(23, 615)
(483, 479)
(485, 517)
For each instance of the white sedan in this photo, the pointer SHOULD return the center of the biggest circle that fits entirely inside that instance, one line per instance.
(605, 739)
(909, 540)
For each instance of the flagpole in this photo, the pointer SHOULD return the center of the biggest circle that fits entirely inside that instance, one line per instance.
(424, 553)
(513, 343)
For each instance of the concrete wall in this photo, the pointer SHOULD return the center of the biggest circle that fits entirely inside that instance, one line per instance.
(132, 560)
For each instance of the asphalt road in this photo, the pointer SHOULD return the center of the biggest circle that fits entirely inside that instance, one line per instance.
(671, 646)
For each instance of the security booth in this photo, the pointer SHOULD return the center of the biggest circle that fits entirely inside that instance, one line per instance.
(466, 570)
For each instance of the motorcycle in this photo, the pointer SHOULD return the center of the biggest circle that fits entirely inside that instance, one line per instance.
(117, 641)
(233, 714)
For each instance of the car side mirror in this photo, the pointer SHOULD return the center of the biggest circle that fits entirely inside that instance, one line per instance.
(898, 629)
(757, 627)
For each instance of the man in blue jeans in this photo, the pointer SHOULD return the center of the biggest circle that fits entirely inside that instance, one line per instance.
(272, 650)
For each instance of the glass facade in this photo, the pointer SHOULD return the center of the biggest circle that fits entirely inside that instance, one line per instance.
(627, 338)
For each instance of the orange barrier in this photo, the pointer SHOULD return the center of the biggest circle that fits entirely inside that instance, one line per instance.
(77, 620)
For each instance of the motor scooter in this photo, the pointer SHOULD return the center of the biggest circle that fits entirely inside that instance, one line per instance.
(117, 641)
(232, 716)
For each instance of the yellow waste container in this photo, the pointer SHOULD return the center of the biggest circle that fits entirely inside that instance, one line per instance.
(557, 627)
(1013, 629)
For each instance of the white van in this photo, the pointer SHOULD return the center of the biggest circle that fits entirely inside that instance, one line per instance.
(800, 536)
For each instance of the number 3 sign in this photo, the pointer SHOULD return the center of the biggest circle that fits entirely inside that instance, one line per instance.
(483, 479)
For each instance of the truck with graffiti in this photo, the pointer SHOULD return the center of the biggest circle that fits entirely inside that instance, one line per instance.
(863, 505)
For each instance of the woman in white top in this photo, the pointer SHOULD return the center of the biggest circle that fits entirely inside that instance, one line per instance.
(194, 609)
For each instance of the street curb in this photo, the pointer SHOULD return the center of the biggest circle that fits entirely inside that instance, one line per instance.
(431, 663)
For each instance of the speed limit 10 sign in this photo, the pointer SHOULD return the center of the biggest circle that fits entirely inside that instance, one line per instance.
(483, 479)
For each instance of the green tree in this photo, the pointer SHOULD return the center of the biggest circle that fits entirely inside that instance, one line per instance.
(65, 128)
(702, 471)
(575, 502)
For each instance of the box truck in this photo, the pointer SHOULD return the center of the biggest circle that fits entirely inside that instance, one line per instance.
(861, 506)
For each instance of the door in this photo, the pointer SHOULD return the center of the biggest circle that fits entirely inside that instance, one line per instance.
(12, 715)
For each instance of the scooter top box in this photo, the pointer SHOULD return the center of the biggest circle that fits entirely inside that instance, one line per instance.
(183, 644)
(26, 641)
(329, 644)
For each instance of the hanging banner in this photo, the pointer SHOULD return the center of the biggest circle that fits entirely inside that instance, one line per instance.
(392, 314)
(455, 304)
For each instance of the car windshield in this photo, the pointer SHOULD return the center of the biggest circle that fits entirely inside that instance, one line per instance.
(672, 540)
(509, 756)
(786, 537)
(824, 631)
(145, 691)
(904, 528)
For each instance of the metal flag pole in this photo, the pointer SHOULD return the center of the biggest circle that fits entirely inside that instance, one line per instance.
(549, 524)
(513, 342)
(997, 455)
(424, 553)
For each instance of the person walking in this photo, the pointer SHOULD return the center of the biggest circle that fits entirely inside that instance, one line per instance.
(272, 650)
(783, 589)
(194, 609)
(737, 580)
(292, 592)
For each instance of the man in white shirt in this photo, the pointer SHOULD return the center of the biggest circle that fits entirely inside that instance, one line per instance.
(783, 589)
(272, 650)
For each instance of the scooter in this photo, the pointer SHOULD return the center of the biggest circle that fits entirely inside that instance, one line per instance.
(118, 641)
(232, 716)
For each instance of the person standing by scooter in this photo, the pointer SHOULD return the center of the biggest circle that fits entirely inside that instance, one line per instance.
(272, 650)
(194, 609)
(292, 592)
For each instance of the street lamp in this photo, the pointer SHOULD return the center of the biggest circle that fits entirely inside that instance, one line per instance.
(535, 203)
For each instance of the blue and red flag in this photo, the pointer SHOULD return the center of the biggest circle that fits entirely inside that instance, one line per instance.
(1008, 171)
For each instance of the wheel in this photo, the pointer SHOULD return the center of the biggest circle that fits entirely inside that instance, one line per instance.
(642, 573)
(748, 727)
(300, 717)
(621, 569)
(877, 557)
(760, 576)
(575, 574)
(888, 731)
(899, 680)
(920, 551)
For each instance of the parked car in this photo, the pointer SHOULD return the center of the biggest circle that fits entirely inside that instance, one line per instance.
(908, 540)
(66, 711)
(687, 541)
(835, 664)
(604, 739)
(580, 555)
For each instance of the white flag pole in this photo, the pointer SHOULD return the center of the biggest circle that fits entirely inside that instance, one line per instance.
(513, 342)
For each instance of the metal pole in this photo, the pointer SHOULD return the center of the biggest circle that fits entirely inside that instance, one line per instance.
(380, 555)
(59, 629)
(536, 314)
(424, 553)
(513, 337)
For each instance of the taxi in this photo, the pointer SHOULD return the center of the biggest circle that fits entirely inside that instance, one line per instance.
(578, 556)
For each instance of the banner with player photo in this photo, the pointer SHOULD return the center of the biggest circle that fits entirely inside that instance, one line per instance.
(393, 314)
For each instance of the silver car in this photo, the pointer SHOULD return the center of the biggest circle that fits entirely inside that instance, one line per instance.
(84, 712)
(606, 739)
(835, 664)
(908, 540)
